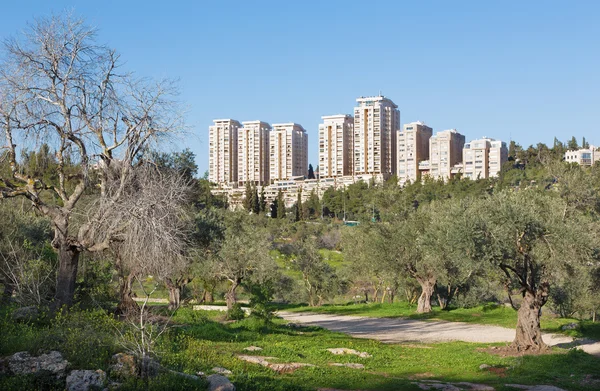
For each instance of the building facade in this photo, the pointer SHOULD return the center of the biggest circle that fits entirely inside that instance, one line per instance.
(412, 148)
(253, 153)
(288, 151)
(376, 123)
(583, 157)
(223, 151)
(445, 153)
(483, 158)
(336, 146)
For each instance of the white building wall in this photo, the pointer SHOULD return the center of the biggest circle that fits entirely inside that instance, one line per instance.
(253, 153)
(222, 151)
(335, 146)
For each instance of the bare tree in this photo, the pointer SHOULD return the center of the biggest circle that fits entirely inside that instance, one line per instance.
(60, 86)
(156, 226)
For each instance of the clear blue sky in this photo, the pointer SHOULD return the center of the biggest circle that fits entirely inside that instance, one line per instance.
(526, 70)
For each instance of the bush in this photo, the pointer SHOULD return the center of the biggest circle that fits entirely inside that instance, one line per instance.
(260, 302)
(236, 312)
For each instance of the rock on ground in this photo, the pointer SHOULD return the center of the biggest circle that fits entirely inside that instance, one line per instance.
(277, 367)
(348, 365)
(123, 366)
(84, 380)
(23, 363)
(252, 348)
(349, 351)
(221, 371)
(219, 383)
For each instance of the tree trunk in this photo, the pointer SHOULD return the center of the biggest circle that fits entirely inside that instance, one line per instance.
(9, 288)
(174, 297)
(68, 258)
(230, 295)
(427, 288)
(529, 332)
(126, 302)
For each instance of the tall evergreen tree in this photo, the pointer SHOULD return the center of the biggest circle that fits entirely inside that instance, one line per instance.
(280, 205)
(298, 206)
(248, 197)
(572, 144)
(255, 201)
(262, 201)
(584, 144)
(311, 172)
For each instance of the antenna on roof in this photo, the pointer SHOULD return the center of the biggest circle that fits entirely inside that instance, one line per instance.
(379, 92)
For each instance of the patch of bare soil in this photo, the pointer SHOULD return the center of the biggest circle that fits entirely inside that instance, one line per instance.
(424, 375)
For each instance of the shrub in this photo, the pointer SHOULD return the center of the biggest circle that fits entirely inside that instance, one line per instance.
(236, 312)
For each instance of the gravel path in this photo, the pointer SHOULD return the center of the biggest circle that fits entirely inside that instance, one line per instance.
(407, 330)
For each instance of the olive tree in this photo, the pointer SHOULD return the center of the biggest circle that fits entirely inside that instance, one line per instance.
(244, 254)
(57, 84)
(536, 240)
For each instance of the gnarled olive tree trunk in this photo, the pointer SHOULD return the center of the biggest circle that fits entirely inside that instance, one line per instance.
(126, 303)
(427, 289)
(230, 295)
(529, 332)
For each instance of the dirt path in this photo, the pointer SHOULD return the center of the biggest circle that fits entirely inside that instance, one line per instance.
(407, 330)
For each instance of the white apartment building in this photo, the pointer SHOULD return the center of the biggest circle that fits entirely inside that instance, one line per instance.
(583, 156)
(336, 146)
(412, 148)
(483, 158)
(223, 150)
(253, 153)
(376, 123)
(288, 156)
(445, 152)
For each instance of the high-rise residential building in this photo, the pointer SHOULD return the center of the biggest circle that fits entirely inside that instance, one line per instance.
(484, 158)
(376, 123)
(445, 151)
(223, 151)
(412, 148)
(253, 153)
(584, 156)
(288, 156)
(335, 146)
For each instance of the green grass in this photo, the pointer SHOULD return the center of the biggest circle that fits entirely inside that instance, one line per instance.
(490, 314)
(199, 342)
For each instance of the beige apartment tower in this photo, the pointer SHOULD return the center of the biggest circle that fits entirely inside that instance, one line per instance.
(484, 158)
(413, 148)
(223, 150)
(288, 145)
(335, 146)
(445, 151)
(376, 123)
(253, 153)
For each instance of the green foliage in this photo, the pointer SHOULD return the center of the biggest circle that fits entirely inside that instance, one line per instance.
(261, 296)
(236, 312)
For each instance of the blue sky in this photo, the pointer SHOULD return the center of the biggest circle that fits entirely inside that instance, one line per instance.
(521, 70)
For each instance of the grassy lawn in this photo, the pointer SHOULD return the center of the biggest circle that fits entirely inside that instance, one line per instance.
(199, 341)
(488, 314)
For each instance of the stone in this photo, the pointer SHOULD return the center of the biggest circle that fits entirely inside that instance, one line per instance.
(85, 380)
(221, 371)
(348, 365)
(340, 351)
(570, 326)
(260, 360)
(288, 367)
(26, 314)
(22, 363)
(252, 348)
(484, 366)
(200, 374)
(123, 367)
(474, 386)
(219, 383)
